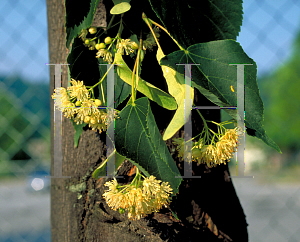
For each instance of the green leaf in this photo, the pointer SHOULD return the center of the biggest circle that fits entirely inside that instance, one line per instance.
(214, 99)
(174, 214)
(215, 77)
(134, 38)
(137, 138)
(153, 93)
(176, 86)
(79, 15)
(120, 8)
(122, 89)
(194, 21)
(101, 170)
(78, 130)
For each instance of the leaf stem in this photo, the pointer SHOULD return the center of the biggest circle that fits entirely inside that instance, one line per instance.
(103, 98)
(104, 75)
(92, 91)
(138, 63)
(121, 24)
(110, 23)
(158, 25)
(133, 82)
(204, 121)
(137, 174)
(147, 22)
(114, 39)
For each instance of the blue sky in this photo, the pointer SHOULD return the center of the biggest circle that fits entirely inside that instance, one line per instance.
(268, 31)
(267, 35)
(24, 39)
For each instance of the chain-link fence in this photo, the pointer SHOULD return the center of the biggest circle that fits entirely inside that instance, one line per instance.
(24, 122)
(269, 28)
(272, 207)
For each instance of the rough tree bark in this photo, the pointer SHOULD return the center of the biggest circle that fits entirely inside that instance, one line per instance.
(208, 208)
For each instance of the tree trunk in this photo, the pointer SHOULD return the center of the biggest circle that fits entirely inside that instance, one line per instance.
(208, 207)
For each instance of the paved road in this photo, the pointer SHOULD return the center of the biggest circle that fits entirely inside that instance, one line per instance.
(273, 212)
(24, 216)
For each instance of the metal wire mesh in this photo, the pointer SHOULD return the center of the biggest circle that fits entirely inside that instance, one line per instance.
(24, 122)
(272, 209)
(269, 27)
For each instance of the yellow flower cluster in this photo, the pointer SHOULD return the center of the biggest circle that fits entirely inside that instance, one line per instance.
(106, 54)
(87, 109)
(138, 201)
(212, 154)
(125, 44)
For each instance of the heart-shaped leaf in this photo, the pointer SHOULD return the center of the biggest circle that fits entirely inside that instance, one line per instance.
(215, 75)
(137, 138)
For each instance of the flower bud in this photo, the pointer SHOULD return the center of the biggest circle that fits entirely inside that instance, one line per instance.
(86, 119)
(107, 40)
(97, 102)
(93, 121)
(142, 55)
(92, 30)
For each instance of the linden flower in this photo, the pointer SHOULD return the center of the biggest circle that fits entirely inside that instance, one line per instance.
(151, 186)
(138, 201)
(97, 126)
(83, 34)
(213, 154)
(84, 111)
(162, 197)
(101, 53)
(78, 90)
(90, 114)
(137, 206)
(107, 55)
(209, 155)
(88, 110)
(222, 151)
(179, 142)
(63, 103)
(91, 44)
(112, 196)
(61, 98)
(125, 45)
